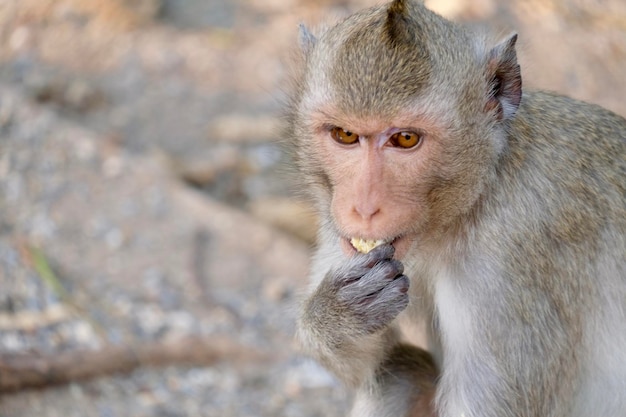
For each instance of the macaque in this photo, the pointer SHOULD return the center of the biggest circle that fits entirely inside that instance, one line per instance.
(494, 215)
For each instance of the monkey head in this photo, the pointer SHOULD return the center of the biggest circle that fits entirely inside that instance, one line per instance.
(398, 133)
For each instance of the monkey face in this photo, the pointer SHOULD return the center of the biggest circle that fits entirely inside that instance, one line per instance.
(398, 179)
(377, 172)
(395, 144)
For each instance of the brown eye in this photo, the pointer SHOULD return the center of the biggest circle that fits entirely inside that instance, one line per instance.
(405, 139)
(343, 136)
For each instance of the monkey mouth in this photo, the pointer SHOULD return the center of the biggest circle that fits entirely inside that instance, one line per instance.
(362, 245)
(365, 245)
(355, 245)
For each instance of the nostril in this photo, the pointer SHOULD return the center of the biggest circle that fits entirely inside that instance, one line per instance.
(366, 212)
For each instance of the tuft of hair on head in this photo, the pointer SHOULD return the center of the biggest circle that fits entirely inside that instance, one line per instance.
(397, 25)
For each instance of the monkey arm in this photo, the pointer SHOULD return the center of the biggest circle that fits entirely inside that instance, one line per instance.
(391, 378)
(355, 361)
(346, 322)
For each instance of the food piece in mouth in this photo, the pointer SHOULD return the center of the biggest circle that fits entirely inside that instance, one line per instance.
(365, 245)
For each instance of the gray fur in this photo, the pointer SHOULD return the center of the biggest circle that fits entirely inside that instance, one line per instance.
(519, 259)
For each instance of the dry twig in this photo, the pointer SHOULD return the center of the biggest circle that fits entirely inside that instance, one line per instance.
(29, 370)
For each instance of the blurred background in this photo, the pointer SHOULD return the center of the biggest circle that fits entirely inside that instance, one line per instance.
(151, 238)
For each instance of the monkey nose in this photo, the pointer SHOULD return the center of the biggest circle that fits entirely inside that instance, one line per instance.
(366, 211)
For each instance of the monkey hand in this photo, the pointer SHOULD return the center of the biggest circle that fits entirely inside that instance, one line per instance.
(345, 323)
(360, 297)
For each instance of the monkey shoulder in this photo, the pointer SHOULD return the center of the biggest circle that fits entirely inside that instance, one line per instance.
(557, 135)
(556, 116)
(566, 164)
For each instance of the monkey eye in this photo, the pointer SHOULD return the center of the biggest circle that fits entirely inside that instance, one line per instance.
(343, 136)
(405, 139)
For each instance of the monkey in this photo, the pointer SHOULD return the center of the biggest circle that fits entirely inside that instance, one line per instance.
(499, 214)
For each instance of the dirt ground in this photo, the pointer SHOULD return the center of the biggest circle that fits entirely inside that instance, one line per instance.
(144, 198)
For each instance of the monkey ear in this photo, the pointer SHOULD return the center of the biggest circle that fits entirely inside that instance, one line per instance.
(505, 79)
(307, 39)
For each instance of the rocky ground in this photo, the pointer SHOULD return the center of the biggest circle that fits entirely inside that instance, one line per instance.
(143, 196)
